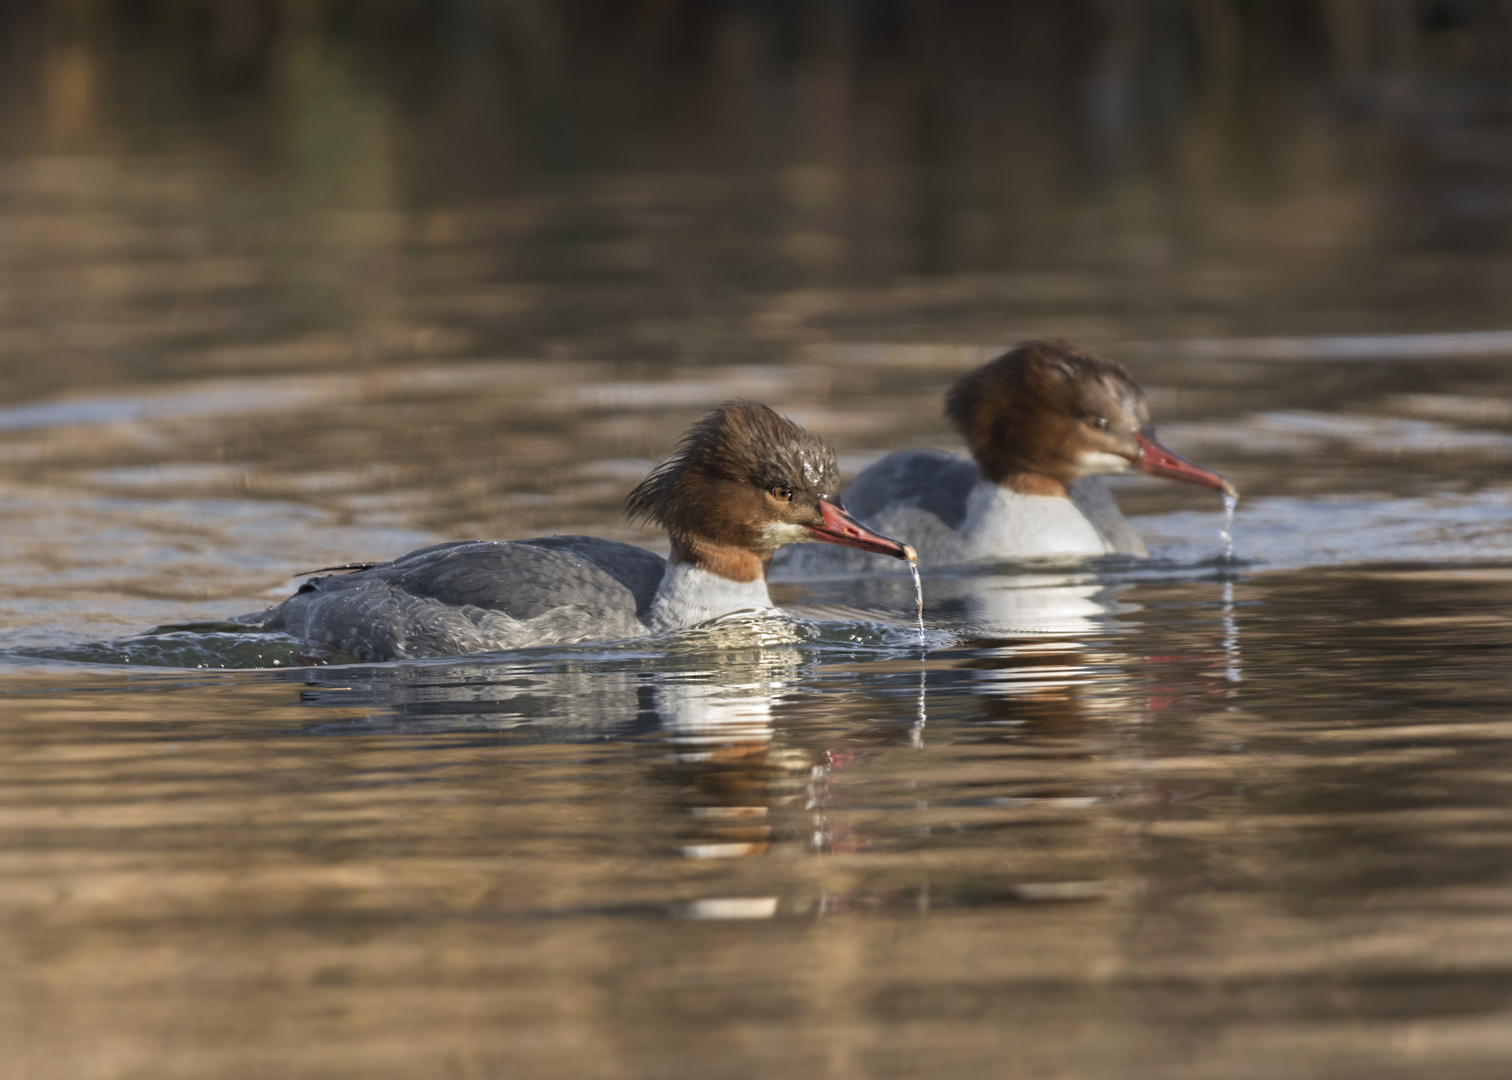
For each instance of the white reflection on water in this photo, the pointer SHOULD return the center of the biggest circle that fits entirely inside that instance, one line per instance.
(1278, 532)
(726, 726)
(1230, 635)
(1072, 604)
(1048, 683)
(727, 907)
(1345, 347)
(1230, 623)
(1301, 433)
(705, 716)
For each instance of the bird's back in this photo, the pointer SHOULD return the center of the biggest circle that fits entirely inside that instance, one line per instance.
(475, 596)
(923, 497)
(934, 481)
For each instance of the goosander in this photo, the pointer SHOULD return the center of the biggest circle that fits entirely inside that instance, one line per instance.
(1043, 423)
(742, 482)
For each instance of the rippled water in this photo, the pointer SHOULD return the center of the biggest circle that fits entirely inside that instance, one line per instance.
(277, 294)
(1187, 817)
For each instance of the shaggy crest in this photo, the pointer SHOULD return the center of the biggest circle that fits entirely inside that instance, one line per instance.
(741, 442)
(1009, 384)
(1024, 414)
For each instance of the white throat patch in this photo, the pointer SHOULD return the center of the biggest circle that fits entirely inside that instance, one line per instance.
(777, 533)
(1098, 463)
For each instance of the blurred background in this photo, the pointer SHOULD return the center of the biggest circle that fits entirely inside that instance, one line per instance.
(188, 182)
(466, 267)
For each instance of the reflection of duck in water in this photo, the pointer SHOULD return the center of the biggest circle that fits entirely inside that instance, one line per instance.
(981, 603)
(1042, 422)
(1049, 687)
(725, 768)
(743, 786)
(1034, 603)
(743, 482)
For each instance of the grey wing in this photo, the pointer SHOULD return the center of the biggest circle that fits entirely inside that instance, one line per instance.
(934, 481)
(635, 568)
(475, 596)
(525, 579)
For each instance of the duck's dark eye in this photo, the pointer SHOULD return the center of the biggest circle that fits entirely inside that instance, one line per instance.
(1099, 422)
(783, 494)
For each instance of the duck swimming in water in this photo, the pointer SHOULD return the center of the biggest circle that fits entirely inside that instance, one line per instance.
(1042, 422)
(741, 483)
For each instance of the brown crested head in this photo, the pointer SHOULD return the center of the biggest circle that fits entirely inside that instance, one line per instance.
(1046, 414)
(737, 471)
(742, 482)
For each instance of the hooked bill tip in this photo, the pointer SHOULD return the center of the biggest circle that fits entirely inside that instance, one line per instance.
(910, 554)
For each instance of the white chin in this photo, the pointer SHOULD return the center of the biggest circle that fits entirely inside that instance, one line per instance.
(1097, 464)
(777, 533)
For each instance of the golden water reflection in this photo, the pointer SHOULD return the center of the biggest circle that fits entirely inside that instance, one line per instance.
(285, 283)
(1102, 850)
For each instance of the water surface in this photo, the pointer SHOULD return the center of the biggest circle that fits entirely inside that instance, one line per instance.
(283, 286)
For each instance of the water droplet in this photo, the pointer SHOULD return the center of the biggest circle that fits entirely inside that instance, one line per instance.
(1230, 636)
(918, 729)
(1230, 501)
(919, 595)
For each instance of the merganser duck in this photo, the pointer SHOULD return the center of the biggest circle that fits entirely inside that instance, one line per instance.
(1043, 422)
(742, 482)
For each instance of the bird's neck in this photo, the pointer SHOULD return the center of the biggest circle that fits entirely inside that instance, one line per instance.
(1034, 483)
(728, 561)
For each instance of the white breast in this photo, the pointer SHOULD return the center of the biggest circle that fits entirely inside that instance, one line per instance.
(1006, 525)
(688, 596)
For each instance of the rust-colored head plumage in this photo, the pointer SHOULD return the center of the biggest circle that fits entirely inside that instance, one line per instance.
(1037, 411)
(736, 478)
(741, 442)
(744, 481)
